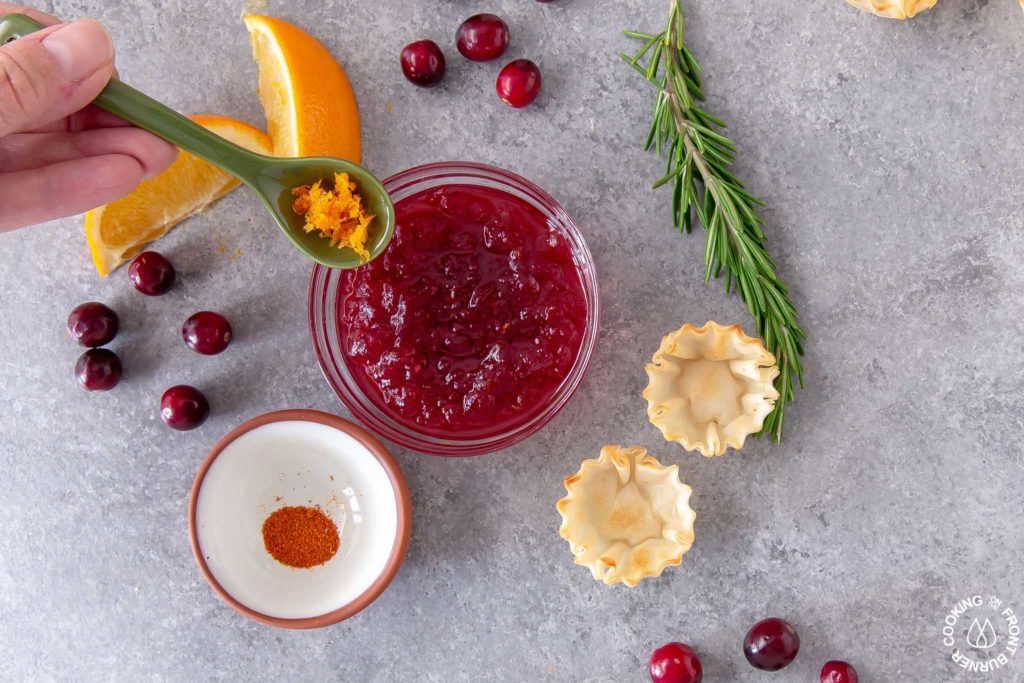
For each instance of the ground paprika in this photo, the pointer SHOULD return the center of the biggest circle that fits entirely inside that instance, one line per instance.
(300, 536)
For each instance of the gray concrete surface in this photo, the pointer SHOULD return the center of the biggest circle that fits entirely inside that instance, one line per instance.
(890, 156)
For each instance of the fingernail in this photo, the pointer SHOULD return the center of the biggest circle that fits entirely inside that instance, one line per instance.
(80, 48)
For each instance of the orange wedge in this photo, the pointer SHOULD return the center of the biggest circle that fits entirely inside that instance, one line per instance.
(308, 101)
(120, 230)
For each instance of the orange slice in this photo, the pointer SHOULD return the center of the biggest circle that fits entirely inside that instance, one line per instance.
(120, 230)
(308, 101)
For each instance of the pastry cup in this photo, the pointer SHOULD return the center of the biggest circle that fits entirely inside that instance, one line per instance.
(710, 387)
(626, 516)
(894, 9)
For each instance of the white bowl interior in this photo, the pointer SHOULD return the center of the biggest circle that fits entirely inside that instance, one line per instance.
(295, 463)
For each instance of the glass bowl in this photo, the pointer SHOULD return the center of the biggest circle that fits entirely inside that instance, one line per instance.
(324, 295)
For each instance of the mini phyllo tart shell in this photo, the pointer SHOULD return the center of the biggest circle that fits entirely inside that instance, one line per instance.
(710, 387)
(894, 9)
(626, 516)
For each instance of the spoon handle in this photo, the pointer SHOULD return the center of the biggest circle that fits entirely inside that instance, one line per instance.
(145, 112)
(142, 110)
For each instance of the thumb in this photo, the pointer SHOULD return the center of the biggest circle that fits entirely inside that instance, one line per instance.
(52, 73)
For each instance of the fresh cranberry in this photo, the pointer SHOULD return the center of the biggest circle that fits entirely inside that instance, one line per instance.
(98, 370)
(771, 644)
(518, 83)
(837, 671)
(151, 273)
(675, 663)
(206, 332)
(482, 37)
(423, 63)
(183, 407)
(92, 324)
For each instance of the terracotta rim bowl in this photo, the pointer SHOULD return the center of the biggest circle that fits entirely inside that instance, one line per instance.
(403, 508)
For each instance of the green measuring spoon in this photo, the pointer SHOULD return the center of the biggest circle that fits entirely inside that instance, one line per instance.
(271, 178)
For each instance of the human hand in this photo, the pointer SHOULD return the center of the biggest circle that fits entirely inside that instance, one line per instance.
(59, 155)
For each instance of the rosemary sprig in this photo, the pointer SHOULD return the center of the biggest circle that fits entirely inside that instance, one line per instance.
(698, 162)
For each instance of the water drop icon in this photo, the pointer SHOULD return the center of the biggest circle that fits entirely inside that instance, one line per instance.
(981, 636)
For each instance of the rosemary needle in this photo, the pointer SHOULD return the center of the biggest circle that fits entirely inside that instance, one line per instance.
(698, 160)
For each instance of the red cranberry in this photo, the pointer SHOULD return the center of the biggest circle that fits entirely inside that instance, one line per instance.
(675, 663)
(836, 671)
(183, 407)
(207, 333)
(771, 644)
(423, 63)
(151, 273)
(98, 370)
(482, 37)
(92, 324)
(518, 83)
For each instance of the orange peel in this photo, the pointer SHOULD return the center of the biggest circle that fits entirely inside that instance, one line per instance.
(306, 96)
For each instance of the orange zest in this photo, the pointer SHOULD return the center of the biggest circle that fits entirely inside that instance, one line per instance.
(119, 231)
(306, 96)
(338, 214)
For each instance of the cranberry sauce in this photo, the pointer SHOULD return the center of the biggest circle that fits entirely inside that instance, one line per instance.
(471, 318)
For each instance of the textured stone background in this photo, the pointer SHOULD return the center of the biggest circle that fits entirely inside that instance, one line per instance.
(890, 156)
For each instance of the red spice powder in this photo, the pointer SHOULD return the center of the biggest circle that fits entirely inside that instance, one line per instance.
(300, 536)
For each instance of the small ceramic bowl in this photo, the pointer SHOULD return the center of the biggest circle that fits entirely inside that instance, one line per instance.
(304, 458)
